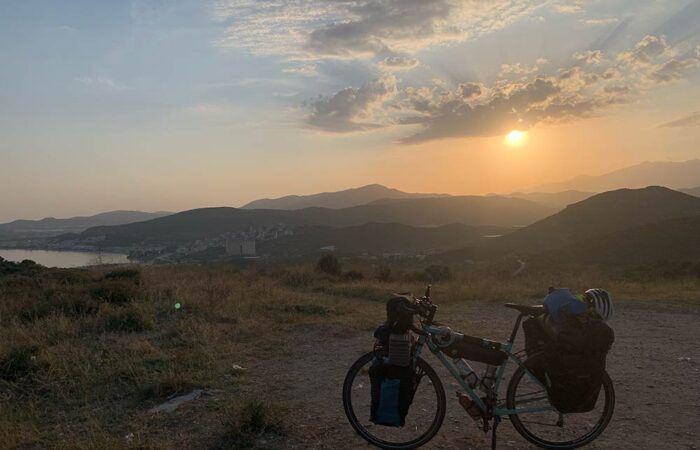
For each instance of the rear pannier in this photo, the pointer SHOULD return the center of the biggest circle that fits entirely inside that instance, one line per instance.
(570, 361)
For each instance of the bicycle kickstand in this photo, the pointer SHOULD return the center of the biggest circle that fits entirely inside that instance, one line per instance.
(496, 421)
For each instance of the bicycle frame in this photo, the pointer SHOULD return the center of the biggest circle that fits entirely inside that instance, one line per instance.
(505, 347)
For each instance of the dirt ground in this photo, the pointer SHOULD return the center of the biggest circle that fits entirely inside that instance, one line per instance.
(657, 388)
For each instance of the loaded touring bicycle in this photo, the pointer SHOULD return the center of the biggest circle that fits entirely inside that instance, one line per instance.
(395, 400)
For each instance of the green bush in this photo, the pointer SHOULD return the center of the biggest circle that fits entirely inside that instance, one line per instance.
(18, 363)
(330, 264)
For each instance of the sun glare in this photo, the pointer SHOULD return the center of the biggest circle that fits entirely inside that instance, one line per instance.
(515, 137)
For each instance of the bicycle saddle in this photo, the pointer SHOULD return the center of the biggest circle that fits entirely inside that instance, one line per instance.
(530, 310)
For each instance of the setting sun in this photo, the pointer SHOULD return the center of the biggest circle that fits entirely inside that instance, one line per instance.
(515, 137)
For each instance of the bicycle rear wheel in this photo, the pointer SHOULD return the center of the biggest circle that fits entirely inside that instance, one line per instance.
(424, 417)
(550, 429)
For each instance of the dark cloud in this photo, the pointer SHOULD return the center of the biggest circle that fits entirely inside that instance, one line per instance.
(398, 62)
(351, 109)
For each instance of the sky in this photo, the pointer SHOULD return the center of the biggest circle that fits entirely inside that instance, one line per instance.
(177, 104)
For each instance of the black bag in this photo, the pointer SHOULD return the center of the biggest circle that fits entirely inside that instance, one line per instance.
(398, 319)
(536, 337)
(574, 363)
(392, 390)
(473, 349)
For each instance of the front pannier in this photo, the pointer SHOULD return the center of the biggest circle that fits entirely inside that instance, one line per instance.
(473, 349)
(393, 388)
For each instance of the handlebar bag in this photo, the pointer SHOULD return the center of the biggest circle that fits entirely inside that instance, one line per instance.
(392, 390)
(399, 317)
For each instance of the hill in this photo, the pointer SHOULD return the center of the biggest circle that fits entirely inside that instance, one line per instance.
(379, 238)
(602, 214)
(211, 222)
(695, 192)
(336, 200)
(674, 240)
(52, 226)
(672, 174)
(553, 199)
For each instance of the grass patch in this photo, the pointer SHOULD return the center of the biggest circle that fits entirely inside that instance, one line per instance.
(129, 319)
(309, 310)
(255, 419)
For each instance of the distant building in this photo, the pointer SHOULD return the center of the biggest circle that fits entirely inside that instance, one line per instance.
(240, 247)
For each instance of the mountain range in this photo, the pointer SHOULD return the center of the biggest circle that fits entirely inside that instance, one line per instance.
(419, 212)
(51, 226)
(336, 200)
(675, 175)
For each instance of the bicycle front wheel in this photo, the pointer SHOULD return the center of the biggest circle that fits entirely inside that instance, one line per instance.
(550, 429)
(424, 417)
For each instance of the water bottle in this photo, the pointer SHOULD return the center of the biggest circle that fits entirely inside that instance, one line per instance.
(488, 380)
(466, 372)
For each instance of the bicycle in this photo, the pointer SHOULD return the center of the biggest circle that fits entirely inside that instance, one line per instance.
(526, 403)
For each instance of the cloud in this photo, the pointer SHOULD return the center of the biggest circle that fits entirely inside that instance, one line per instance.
(569, 7)
(572, 94)
(310, 29)
(519, 98)
(672, 70)
(398, 62)
(599, 22)
(101, 82)
(646, 51)
(589, 56)
(351, 109)
(308, 70)
(690, 120)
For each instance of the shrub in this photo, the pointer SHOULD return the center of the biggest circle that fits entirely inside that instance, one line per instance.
(329, 264)
(438, 272)
(129, 319)
(384, 274)
(124, 274)
(308, 310)
(298, 279)
(353, 275)
(114, 292)
(18, 363)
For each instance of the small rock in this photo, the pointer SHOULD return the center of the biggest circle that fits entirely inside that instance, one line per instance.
(174, 403)
(129, 437)
(237, 368)
(684, 359)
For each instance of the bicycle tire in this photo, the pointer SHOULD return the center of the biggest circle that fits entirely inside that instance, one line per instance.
(366, 434)
(587, 438)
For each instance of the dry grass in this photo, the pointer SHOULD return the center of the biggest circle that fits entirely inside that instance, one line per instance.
(85, 354)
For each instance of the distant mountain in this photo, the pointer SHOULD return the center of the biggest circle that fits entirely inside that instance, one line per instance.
(671, 174)
(676, 240)
(602, 214)
(554, 199)
(378, 238)
(691, 191)
(52, 226)
(335, 200)
(211, 222)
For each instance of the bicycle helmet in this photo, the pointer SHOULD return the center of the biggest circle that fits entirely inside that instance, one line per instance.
(601, 302)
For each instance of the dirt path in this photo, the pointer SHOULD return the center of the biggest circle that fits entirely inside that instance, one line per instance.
(658, 391)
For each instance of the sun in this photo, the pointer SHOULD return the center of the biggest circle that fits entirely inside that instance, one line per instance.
(515, 137)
